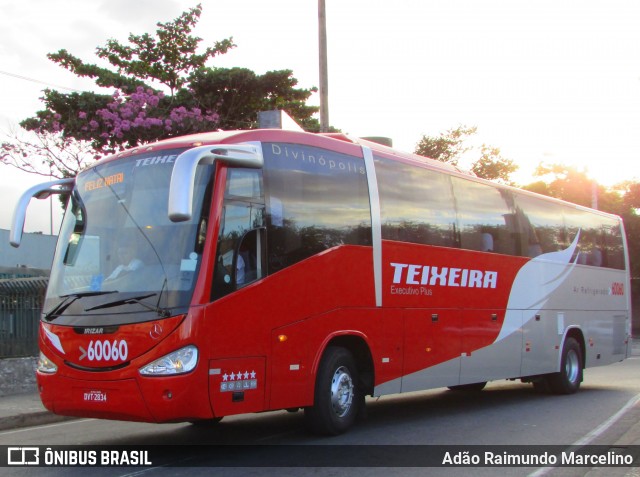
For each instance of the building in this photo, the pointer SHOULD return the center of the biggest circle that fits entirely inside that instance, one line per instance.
(32, 258)
(24, 273)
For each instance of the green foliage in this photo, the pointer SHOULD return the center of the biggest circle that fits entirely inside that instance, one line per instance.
(168, 58)
(493, 166)
(62, 113)
(200, 98)
(539, 187)
(568, 183)
(102, 76)
(448, 146)
(631, 194)
(238, 94)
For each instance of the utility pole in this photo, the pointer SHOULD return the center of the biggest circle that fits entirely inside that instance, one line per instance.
(324, 83)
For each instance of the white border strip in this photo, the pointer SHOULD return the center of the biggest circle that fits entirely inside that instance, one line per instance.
(376, 225)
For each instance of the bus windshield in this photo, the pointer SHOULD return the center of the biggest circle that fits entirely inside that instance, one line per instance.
(119, 258)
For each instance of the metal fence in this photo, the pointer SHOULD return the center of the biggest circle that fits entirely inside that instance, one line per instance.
(21, 302)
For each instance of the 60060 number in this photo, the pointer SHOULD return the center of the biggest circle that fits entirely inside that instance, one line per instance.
(116, 350)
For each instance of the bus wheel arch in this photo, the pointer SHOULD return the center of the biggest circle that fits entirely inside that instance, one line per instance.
(572, 363)
(576, 333)
(344, 375)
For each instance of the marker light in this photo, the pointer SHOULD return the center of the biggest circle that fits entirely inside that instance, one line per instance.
(181, 361)
(45, 365)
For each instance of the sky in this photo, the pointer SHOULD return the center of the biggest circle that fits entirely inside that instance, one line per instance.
(545, 81)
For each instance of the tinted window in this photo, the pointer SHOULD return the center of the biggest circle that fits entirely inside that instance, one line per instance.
(549, 227)
(613, 245)
(486, 218)
(317, 199)
(432, 208)
(543, 226)
(116, 238)
(239, 240)
(600, 241)
(416, 205)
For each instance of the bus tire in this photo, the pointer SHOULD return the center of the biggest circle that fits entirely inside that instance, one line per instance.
(568, 379)
(337, 394)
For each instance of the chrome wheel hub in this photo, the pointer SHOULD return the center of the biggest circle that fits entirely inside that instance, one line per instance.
(342, 390)
(572, 366)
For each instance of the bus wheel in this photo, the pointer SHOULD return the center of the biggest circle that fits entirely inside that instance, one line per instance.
(568, 380)
(469, 388)
(337, 394)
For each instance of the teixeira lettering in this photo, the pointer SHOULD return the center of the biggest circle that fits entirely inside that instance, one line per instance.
(413, 274)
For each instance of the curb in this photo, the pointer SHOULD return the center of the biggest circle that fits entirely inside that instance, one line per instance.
(30, 420)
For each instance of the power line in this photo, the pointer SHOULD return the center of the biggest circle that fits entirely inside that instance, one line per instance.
(26, 78)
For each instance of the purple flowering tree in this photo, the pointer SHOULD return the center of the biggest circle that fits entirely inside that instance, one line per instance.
(160, 87)
(149, 100)
(142, 116)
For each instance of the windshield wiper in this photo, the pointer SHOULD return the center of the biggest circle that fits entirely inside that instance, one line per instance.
(162, 312)
(57, 310)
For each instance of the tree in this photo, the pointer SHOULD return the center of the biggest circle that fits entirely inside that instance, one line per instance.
(167, 59)
(46, 154)
(237, 94)
(163, 88)
(492, 166)
(629, 211)
(121, 120)
(630, 192)
(448, 146)
(568, 183)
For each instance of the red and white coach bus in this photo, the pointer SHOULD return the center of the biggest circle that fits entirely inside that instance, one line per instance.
(245, 271)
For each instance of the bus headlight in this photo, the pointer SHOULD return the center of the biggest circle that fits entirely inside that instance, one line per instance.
(179, 362)
(45, 365)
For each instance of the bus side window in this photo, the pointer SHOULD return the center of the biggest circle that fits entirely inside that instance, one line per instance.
(612, 245)
(240, 242)
(421, 210)
(250, 257)
(486, 218)
(316, 199)
(542, 227)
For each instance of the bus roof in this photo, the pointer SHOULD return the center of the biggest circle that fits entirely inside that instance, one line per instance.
(336, 141)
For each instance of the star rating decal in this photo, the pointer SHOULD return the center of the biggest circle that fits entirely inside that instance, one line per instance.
(239, 381)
